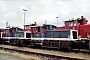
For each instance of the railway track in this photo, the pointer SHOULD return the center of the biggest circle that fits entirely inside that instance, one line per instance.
(49, 56)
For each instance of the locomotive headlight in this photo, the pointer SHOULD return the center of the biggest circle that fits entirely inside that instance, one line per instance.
(69, 37)
(88, 37)
(79, 37)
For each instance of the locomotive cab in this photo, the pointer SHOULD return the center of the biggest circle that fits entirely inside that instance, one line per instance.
(37, 33)
(49, 27)
(70, 23)
(76, 22)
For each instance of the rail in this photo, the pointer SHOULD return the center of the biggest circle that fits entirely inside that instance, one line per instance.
(51, 57)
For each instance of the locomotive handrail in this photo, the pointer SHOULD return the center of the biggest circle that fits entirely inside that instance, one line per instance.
(52, 39)
(15, 38)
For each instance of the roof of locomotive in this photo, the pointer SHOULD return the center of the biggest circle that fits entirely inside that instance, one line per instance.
(43, 26)
(69, 20)
(57, 30)
(62, 30)
(35, 26)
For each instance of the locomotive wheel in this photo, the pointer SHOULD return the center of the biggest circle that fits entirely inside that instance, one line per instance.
(89, 51)
(22, 43)
(69, 48)
(58, 47)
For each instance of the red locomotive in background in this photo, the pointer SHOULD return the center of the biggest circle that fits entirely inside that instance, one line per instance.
(79, 24)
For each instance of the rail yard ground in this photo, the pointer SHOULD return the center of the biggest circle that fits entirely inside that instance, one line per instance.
(5, 55)
(78, 55)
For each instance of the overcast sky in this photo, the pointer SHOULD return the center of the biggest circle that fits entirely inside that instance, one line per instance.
(11, 11)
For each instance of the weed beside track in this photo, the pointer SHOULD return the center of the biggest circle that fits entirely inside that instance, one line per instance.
(41, 55)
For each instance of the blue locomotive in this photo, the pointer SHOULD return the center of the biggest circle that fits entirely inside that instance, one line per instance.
(48, 36)
(16, 36)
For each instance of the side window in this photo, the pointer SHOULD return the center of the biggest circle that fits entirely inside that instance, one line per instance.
(67, 24)
(74, 34)
(71, 23)
(74, 24)
(37, 29)
(28, 35)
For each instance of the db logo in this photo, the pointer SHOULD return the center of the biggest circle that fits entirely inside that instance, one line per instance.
(37, 34)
